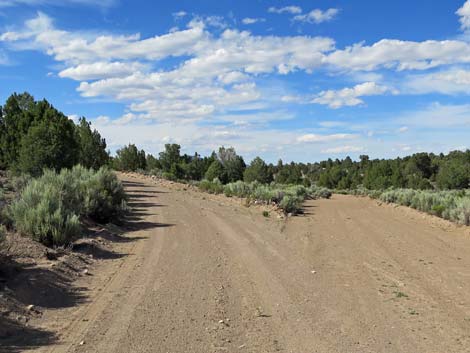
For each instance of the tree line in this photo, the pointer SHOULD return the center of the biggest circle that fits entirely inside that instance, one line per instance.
(421, 171)
(34, 135)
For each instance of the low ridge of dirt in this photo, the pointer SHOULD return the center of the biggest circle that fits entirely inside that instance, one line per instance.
(203, 274)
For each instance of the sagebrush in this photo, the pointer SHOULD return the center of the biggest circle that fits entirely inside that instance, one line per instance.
(49, 208)
(288, 197)
(453, 205)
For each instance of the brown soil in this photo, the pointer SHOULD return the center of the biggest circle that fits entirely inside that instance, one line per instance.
(206, 274)
(39, 284)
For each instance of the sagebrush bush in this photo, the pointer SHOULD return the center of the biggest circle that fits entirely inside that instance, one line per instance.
(438, 210)
(288, 197)
(40, 213)
(169, 176)
(453, 205)
(267, 193)
(318, 192)
(461, 212)
(238, 189)
(362, 191)
(212, 187)
(291, 204)
(156, 172)
(50, 207)
(297, 190)
(105, 198)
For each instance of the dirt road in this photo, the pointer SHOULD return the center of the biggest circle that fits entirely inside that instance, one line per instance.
(206, 275)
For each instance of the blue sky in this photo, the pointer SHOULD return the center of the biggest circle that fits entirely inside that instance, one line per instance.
(297, 80)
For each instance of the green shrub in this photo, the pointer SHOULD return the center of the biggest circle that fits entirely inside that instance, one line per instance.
(40, 213)
(291, 204)
(461, 212)
(297, 190)
(105, 198)
(238, 189)
(266, 193)
(169, 176)
(50, 207)
(453, 205)
(318, 192)
(212, 187)
(288, 197)
(216, 171)
(204, 185)
(156, 172)
(438, 210)
(228, 192)
(265, 213)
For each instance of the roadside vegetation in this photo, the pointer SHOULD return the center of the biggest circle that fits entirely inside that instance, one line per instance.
(39, 144)
(452, 205)
(3, 229)
(51, 207)
(287, 197)
(422, 171)
(55, 173)
(431, 183)
(224, 172)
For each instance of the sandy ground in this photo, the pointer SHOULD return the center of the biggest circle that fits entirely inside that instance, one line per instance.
(200, 274)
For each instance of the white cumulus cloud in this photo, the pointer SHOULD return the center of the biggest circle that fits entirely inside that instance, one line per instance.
(180, 14)
(251, 20)
(317, 16)
(324, 138)
(350, 96)
(400, 55)
(286, 9)
(219, 75)
(343, 149)
(450, 82)
(101, 70)
(464, 14)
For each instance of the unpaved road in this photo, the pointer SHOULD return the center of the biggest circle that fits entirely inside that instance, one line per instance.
(206, 275)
